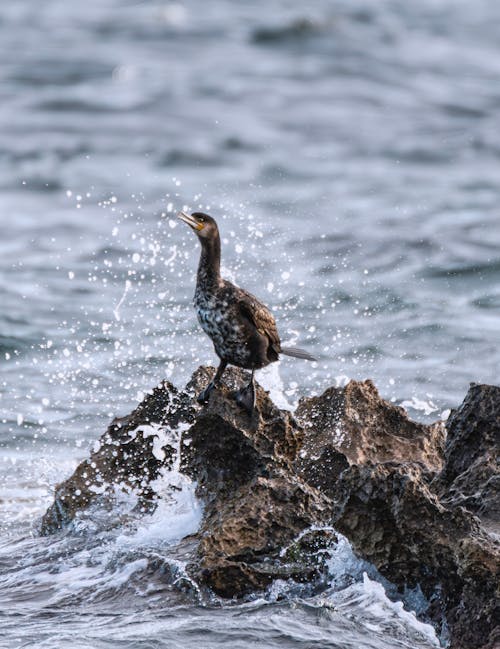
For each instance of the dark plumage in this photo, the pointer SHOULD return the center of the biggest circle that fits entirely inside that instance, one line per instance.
(242, 329)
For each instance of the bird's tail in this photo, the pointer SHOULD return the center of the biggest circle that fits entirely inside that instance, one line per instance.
(297, 353)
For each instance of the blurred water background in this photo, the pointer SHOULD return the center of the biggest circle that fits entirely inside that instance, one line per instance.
(350, 152)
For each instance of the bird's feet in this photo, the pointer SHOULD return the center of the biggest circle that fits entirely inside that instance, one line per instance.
(245, 397)
(204, 394)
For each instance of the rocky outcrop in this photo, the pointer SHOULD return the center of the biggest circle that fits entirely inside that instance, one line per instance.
(356, 422)
(274, 484)
(470, 475)
(392, 518)
(130, 455)
(406, 499)
(255, 504)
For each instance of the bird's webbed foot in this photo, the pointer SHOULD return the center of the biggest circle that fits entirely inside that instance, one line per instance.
(245, 397)
(204, 394)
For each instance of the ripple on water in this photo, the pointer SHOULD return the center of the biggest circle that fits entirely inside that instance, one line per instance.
(487, 301)
(474, 272)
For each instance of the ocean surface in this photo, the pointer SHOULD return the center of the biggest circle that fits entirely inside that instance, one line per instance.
(350, 151)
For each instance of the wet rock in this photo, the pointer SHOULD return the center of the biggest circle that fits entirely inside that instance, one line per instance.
(227, 446)
(358, 423)
(407, 521)
(471, 474)
(394, 520)
(324, 469)
(255, 503)
(129, 455)
(274, 483)
(242, 539)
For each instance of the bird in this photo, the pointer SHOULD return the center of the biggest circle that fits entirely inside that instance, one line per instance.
(243, 330)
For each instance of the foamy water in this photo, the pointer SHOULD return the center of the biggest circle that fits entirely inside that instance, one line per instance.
(124, 574)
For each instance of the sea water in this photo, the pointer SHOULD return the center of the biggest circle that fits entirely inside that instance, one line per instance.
(349, 152)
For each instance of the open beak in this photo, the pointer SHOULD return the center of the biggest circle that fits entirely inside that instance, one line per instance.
(192, 222)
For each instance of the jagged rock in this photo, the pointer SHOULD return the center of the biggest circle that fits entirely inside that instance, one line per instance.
(394, 520)
(129, 455)
(409, 525)
(471, 474)
(255, 505)
(242, 539)
(227, 446)
(358, 423)
(243, 468)
(273, 484)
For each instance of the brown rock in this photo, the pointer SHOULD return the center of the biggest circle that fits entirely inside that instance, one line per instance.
(471, 474)
(272, 485)
(357, 422)
(246, 534)
(226, 444)
(125, 456)
(393, 512)
(394, 521)
(255, 503)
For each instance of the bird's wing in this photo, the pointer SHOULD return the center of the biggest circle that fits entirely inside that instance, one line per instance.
(260, 316)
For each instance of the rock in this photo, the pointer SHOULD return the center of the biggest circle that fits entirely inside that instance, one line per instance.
(393, 519)
(354, 425)
(471, 474)
(129, 455)
(323, 470)
(273, 484)
(256, 503)
(242, 539)
(406, 520)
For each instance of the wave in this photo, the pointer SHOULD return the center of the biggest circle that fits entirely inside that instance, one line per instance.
(296, 30)
(473, 270)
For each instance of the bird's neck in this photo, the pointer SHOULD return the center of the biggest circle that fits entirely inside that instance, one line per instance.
(209, 278)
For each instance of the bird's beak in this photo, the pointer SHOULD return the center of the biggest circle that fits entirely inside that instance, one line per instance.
(192, 222)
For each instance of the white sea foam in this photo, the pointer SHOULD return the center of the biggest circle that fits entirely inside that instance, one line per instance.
(103, 552)
(270, 379)
(356, 582)
(427, 407)
(380, 613)
(178, 512)
(161, 437)
(177, 515)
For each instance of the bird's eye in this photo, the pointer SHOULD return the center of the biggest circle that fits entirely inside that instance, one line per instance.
(201, 218)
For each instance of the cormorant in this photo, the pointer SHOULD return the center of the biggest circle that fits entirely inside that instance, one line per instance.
(242, 329)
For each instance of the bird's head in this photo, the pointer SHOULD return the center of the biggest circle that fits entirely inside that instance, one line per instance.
(203, 225)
